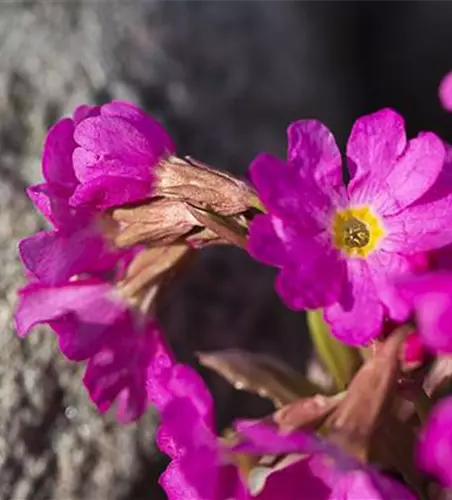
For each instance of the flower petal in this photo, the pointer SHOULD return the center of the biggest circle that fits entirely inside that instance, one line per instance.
(376, 141)
(368, 485)
(85, 111)
(176, 485)
(385, 269)
(359, 300)
(303, 474)
(291, 193)
(54, 257)
(149, 127)
(434, 453)
(424, 225)
(312, 276)
(57, 155)
(445, 91)
(264, 244)
(39, 195)
(82, 312)
(107, 191)
(119, 370)
(430, 296)
(312, 147)
(410, 177)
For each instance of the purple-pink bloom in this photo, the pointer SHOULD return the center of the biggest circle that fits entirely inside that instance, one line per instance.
(198, 460)
(101, 157)
(93, 324)
(199, 467)
(434, 451)
(445, 91)
(78, 247)
(340, 247)
(429, 297)
(119, 370)
(343, 476)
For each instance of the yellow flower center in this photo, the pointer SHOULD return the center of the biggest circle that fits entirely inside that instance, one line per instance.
(356, 231)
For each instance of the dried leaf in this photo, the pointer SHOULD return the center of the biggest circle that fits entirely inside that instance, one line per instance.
(306, 413)
(150, 271)
(260, 374)
(227, 229)
(158, 222)
(352, 424)
(203, 187)
(392, 446)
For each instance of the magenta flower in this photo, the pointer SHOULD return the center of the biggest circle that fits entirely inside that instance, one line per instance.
(445, 91)
(119, 370)
(199, 462)
(95, 325)
(199, 467)
(340, 247)
(102, 157)
(434, 452)
(429, 297)
(342, 477)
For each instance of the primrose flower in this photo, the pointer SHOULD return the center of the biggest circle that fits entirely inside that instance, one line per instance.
(445, 91)
(199, 468)
(434, 450)
(94, 324)
(202, 464)
(341, 477)
(340, 247)
(101, 157)
(429, 297)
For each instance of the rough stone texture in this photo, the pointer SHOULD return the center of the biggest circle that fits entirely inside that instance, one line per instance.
(225, 78)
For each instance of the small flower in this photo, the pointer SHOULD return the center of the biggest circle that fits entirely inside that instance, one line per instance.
(339, 247)
(445, 91)
(100, 307)
(199, 467)
(93, 324)
(429, 297)
(204, 465)
(434, 453)
(103, 156)
(343, 476)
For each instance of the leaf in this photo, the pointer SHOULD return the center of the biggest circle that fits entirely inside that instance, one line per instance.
(260, 374)
(354, 421)
(341, 360)
(306, 413)
(227, 228)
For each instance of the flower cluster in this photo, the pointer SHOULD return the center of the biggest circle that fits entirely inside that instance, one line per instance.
(364, 244)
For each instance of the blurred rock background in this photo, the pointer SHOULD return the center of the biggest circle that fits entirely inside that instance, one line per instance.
(225, 78)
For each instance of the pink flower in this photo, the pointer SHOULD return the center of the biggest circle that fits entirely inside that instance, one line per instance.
(199, 463)
(434, 453)
(201, 466)
(338, 476)
(101, 157)
(340, 247)
(429, 297)
(95, 325)
(75, 248)
(445, 91)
